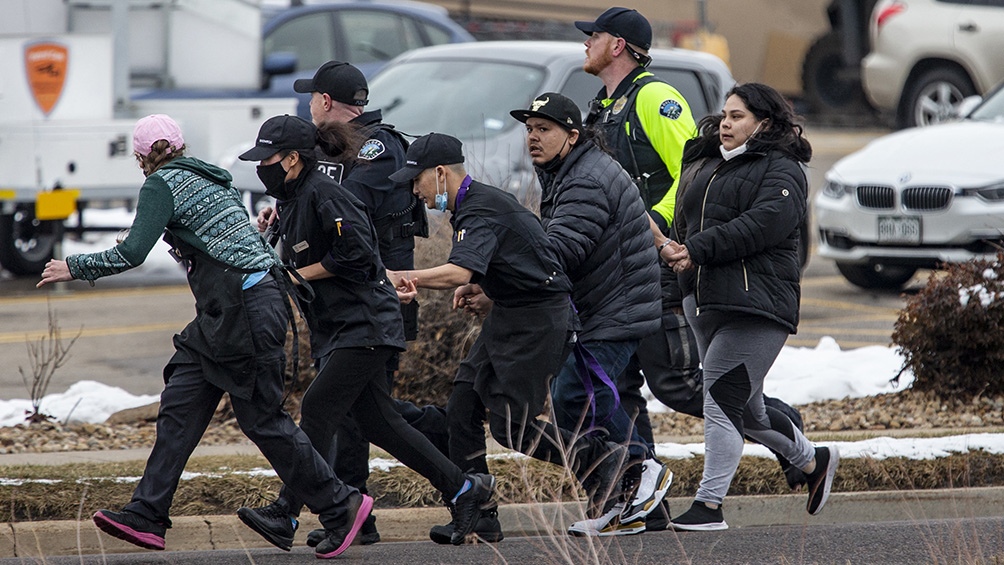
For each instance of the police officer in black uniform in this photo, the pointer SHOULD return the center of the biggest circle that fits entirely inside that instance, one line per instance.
(360, 152)
(500, 249)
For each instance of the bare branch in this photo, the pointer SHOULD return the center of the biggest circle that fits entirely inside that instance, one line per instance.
(45, 356)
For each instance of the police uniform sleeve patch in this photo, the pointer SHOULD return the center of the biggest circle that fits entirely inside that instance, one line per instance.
(372, 149)
(671, 109)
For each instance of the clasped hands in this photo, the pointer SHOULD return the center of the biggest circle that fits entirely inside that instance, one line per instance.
(677, 256)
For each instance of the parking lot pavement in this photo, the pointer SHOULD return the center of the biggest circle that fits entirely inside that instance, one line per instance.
(199, 533)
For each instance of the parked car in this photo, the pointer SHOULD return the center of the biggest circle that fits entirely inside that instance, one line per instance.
(368, 34)
(928, 55)
(917, 198)
(467, 90)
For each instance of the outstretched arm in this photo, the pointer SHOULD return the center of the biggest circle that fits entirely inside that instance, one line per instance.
(443, 277)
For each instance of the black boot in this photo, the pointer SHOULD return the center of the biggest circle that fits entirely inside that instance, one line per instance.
(488, 528)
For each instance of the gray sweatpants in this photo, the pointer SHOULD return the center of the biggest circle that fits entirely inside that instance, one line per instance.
(736, 352)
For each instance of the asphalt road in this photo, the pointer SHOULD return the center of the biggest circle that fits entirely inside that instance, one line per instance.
(126, 322)
(972, 540)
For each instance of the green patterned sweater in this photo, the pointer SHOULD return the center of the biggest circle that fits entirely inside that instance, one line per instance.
(195, 200)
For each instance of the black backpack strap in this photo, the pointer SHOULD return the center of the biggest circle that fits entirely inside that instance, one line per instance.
(303, 291)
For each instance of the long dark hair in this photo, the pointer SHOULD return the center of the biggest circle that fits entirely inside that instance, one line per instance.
(783, 133)
(340, 141)
(599, 138)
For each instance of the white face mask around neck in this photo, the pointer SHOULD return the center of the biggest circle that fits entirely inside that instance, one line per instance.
(729, 154)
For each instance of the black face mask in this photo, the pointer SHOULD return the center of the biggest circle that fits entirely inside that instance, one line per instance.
(273, 177)
(554, 164)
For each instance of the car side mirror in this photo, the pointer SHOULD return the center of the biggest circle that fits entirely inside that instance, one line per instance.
(968, 104)
(280, 63)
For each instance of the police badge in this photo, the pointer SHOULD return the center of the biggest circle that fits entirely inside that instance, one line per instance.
(372, 149)
(619, 105)
(671, 109)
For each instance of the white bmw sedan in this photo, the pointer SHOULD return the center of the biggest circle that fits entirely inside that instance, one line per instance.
(918, 198)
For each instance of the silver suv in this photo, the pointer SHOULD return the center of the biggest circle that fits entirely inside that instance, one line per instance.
(928, 55)
(467, 90)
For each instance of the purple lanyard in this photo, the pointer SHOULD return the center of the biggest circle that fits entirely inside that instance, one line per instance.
(588, 366)
(462, 191)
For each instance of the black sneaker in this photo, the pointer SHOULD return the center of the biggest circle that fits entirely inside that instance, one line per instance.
(488, 528)
(658, 520)
(469, 505)
(131, 527)
(339, 539)
(272, 522)
(821, 479)
(315, 537)
(794, 476)
(603, 483)
(700, 518)
(368, 535)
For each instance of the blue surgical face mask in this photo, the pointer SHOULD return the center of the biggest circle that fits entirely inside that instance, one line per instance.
(442, 199)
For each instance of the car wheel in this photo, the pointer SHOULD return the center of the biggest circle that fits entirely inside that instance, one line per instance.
(828, 88)
(933, 97)
(26, 243)
(876, 276)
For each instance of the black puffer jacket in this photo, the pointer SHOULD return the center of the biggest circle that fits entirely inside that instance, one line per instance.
(594, 217)
(740, 221)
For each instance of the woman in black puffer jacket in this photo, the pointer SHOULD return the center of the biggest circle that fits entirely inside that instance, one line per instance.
(736, 250)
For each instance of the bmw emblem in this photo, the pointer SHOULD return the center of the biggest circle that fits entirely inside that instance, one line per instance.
(905, 178)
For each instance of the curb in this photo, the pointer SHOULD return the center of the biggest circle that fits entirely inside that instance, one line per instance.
(36, 540)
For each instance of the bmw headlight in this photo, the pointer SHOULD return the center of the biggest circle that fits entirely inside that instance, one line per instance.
(833, 189)
(992, 193)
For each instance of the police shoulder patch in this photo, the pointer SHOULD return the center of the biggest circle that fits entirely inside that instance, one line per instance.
(671, 109)
(372, 149)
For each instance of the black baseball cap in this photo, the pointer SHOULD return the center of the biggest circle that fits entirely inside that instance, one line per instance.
(624, 23)
(279, 133)
(429, 151)
(555, 107)
(341, 81)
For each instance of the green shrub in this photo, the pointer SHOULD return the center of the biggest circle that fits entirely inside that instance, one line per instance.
(950, 332)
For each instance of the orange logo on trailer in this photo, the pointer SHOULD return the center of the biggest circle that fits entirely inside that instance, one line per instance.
(45, 66)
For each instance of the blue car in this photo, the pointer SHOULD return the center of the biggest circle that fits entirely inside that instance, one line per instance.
(297, 40)
(367, 34)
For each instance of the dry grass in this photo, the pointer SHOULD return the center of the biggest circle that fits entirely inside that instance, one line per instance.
(521, 480)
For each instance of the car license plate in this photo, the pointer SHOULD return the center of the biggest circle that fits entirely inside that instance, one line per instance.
(899, 229)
